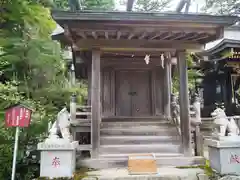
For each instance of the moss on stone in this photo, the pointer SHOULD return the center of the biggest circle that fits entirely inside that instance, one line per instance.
(78, 175)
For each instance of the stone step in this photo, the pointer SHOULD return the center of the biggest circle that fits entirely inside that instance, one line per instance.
(131, 131)
(125, 156)
(140, 148)
(141, 127)
(103, 163)
(163, 173)
(81, 122)
(134, 119)
(83, 107)
(135, 124)
(107, 140)
(79, 113)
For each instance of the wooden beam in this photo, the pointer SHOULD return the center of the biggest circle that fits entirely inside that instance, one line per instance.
(130, 64)
(170, 34)
(184, 104)
(82, 34)
(136, 62)
(180, 35)
(143, 35)
(126, 55)
(200, 38)
(160, 27)
(95, 103)
(130, 59)
(147, 30)
(148, 50)
(67, 33)
(192, 36)
(220, 33)
(155, 36)
(135, 44)
(131, 35)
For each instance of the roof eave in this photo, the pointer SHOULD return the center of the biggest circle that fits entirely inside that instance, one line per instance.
(225, 43)
(60, 16)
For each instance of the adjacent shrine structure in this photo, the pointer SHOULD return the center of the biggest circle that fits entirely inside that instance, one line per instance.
(126, 58)
(220, 84)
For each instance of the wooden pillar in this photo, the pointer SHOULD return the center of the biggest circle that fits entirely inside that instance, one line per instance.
(89, 83)
(167, 89)
(184, 104)
(96, 103)
(170, 78)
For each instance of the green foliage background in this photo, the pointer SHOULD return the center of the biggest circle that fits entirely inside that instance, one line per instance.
(226, 7)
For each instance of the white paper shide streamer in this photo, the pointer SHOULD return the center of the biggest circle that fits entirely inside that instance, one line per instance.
(147, 58)
(162, 60)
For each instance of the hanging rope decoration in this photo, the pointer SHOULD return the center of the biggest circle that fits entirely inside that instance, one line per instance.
(147, 58)
(162, 60)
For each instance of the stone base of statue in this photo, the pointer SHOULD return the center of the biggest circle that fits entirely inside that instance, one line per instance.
(224, 154)
(58, 158)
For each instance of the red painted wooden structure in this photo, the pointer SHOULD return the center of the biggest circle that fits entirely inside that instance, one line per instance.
(17, 116)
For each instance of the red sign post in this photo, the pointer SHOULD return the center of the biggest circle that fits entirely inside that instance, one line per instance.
(17, 116)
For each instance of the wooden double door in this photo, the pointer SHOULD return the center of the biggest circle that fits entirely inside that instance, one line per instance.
(133, 97)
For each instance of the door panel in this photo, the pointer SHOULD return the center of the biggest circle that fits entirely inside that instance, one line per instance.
(141, 105)
(133, 93)
(108, 92)
(123, 87)
(159, 90)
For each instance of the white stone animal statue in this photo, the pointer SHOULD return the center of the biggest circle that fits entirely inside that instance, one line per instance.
(233, 127)
(222, 124)
(61, 124)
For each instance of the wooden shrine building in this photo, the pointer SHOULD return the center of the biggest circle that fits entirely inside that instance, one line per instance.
(221, 79)
(126, 57)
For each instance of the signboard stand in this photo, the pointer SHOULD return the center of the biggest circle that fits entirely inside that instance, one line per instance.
(17, 116)
(142, 164)
(15, 153)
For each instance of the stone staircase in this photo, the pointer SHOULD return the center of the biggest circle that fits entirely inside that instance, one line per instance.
(121, 137)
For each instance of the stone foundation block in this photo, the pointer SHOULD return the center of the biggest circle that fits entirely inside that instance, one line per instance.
(224, 155)
(58, 158)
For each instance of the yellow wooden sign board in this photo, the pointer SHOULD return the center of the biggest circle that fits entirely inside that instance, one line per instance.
(142, 164)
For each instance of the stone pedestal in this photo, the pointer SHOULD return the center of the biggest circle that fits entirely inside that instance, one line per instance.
(224, 155)
(58, 157)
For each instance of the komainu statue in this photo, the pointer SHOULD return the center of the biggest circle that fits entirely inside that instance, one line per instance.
(224, 126)
(175, 110)
(60, 128)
